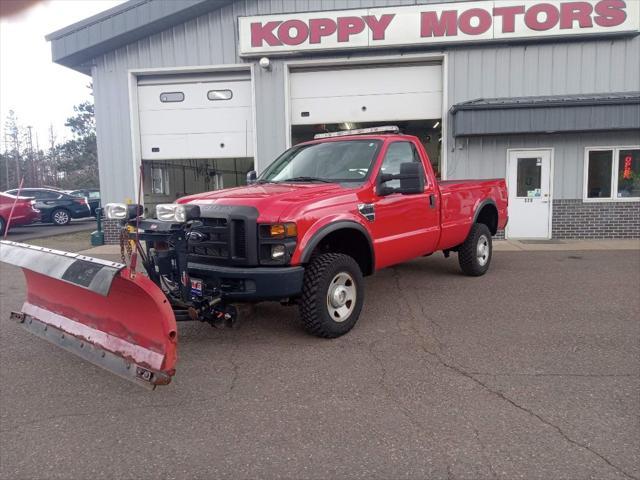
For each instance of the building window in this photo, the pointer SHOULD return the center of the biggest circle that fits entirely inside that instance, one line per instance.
(159, 181)
(612, 173)
(171, 97)
(215, 95)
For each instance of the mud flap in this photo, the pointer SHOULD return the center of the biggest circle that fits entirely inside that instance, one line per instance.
(93, 308)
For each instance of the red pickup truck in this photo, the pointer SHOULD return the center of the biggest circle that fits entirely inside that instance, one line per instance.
(330, 211)
(322, 216)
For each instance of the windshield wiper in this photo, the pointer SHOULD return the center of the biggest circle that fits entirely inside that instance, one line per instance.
(306, 179)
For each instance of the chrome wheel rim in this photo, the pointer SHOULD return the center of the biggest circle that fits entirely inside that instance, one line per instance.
(61, 217)
(341, 297)
(483, 250)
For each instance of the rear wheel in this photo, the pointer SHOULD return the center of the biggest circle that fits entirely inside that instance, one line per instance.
(474, 255)
(60, 217)
(332, 295)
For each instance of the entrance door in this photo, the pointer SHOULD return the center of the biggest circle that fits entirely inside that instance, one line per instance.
(529, 183)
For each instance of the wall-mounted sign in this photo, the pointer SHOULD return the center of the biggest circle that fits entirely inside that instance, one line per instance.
(435, 24)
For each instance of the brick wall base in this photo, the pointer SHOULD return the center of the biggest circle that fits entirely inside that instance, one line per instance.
(571, 219)
(111, 231)
(595, 220)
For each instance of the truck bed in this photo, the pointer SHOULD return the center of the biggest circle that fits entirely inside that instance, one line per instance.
(461, 199)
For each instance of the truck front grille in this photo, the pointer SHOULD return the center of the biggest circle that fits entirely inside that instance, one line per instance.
(239, 239)
(219, 241)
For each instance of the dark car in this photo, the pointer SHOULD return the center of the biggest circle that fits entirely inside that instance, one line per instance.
(55, 206)
(91, 194)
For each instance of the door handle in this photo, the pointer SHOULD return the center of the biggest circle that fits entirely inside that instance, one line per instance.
(432, 201)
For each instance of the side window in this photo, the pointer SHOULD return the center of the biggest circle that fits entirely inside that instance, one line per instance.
(214, 95)
(397, 154)
(171, 97)
(45, 195)
(94, 195)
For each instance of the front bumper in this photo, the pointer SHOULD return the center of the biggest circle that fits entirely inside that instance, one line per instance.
(252, 284)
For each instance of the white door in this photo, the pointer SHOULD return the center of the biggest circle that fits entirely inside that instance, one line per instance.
(366, 94)
(529, 184)
(195, 117)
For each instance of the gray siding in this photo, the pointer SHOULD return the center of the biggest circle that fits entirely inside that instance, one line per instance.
(474, 72)
(486, 157)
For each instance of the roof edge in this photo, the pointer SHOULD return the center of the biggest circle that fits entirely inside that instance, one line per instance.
(98, 17)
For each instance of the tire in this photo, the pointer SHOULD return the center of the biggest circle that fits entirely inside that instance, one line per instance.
(335, 276)
(474, 255)
(60, 217)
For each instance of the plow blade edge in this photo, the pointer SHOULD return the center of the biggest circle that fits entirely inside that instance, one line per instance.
(93, 308)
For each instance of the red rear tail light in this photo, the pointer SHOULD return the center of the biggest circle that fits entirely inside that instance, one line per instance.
(81, 201)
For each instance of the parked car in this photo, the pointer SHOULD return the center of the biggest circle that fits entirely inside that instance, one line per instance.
(24, 213)
(56, 206)
(91, 194)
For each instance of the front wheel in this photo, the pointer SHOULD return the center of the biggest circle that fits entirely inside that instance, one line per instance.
(60, 217)
(332, 295)
(474, 255)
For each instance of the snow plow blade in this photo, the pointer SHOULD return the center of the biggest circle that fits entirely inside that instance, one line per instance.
(93, 308)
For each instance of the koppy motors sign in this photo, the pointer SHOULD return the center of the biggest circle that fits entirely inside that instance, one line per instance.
(435, 24)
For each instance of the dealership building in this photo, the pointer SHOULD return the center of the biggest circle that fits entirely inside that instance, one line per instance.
(543, 93)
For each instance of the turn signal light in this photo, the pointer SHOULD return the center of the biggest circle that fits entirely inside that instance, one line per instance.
(280, 230)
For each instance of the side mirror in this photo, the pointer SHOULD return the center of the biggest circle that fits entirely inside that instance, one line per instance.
(411, 180)
(252, 177)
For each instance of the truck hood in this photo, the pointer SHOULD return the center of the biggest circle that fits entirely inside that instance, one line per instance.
(270, 199)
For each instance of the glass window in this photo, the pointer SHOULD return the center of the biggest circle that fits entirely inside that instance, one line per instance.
(44, 194)
(170, 97)
(613, 173)
(629, 173)
(219, 95)
(335, 161)
(397, 154)
(529, 182)
(94, 195)
(159, 181)
(599, 174)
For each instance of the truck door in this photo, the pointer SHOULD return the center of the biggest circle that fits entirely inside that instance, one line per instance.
(405, 225)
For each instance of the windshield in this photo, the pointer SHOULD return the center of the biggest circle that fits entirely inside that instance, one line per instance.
(339, 161)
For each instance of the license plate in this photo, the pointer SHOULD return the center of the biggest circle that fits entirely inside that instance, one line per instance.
(196, 287)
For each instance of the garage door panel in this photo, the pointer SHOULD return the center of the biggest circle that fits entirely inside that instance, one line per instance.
(195, 95)
(367, 81)
(195, 121)
(197, 146)
(196, 127)
(378, 108)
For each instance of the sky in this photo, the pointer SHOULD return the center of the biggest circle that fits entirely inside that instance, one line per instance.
(40, 92)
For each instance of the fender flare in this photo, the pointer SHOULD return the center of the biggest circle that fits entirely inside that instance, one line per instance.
(481, 205)
(332, 227)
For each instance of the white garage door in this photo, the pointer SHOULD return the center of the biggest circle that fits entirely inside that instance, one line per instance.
(195, 117)
(367, 94)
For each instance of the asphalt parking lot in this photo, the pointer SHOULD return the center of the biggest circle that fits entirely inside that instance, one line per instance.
(529, 372)
(45, 230)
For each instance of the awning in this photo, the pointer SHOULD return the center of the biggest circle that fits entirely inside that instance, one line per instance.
(547, 114)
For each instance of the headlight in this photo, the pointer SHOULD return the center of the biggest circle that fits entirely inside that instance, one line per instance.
(175, 212)
(115, 211)
(279, 230)
(122, 211)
